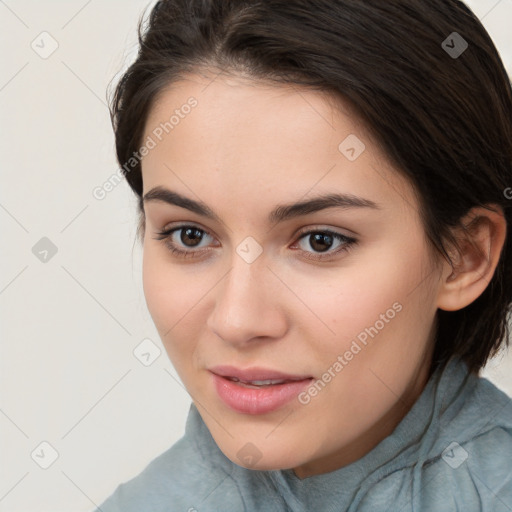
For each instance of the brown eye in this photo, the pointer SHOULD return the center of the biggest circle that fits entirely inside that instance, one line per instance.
(321, 241)
(323, 244)
(192, 234)
(182, 246)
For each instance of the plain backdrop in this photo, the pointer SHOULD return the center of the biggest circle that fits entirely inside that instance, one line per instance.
(74, 397)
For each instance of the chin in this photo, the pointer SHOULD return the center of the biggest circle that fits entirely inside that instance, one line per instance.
(249, 456)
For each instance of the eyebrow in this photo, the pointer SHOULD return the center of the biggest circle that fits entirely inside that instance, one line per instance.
(279, 214)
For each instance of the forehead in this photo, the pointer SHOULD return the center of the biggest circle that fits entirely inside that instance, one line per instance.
(243, 138)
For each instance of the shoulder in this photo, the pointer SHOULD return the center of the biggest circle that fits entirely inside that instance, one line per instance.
(475, 474)
(463, 460)
(470, 464)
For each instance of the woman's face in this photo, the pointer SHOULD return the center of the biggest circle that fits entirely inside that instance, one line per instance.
(338, 294)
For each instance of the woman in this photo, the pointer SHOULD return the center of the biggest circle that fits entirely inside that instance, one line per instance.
(327, 252)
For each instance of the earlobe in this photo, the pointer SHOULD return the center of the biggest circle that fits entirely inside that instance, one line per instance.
(475, 261)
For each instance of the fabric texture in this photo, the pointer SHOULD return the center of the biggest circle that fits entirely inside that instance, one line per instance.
(451, 452)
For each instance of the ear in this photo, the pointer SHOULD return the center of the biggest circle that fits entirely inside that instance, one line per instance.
(481, 243)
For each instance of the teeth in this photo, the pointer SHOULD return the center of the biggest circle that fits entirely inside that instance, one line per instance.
(258, 382)
(265, 382)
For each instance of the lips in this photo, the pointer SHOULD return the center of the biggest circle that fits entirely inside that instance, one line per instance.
(256, 375)
(256, 390)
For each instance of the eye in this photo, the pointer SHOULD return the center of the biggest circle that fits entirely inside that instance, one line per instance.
(179, 240)
(323, 240)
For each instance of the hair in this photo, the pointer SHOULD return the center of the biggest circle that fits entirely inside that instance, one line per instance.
(444, 122)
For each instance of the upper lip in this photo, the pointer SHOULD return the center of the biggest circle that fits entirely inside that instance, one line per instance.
(255, 373)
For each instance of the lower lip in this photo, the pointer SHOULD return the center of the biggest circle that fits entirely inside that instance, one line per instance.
(257, 401)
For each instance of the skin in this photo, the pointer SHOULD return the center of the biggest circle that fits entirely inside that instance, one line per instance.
(246, 148)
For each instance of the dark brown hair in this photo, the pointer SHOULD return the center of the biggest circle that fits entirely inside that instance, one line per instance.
(444, 120)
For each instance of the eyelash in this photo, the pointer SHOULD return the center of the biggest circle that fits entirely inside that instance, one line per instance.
(165, 236)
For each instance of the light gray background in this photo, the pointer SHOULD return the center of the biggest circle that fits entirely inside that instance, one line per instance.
(69, 325)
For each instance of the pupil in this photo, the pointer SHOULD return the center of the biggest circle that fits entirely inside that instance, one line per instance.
(318, 237)
(192, 234)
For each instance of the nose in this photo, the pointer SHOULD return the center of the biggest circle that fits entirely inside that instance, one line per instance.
(249, 304)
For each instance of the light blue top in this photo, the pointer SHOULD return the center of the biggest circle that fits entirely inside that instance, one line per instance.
(451, 452)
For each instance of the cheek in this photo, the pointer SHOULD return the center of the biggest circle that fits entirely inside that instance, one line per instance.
(378, 299)
(157, 287)
(166, 292)
(347, 300)
(175, 300)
